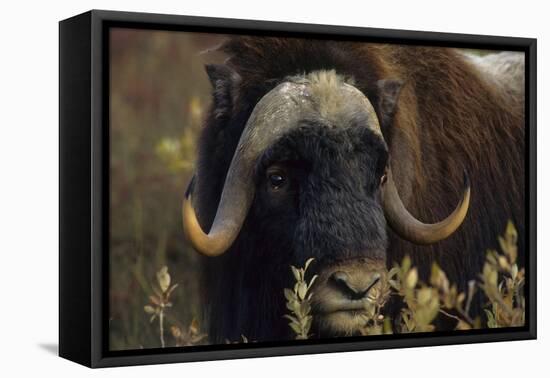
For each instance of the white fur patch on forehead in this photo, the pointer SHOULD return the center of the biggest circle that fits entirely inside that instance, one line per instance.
(335, 97)
(328, 79)
(325, 88)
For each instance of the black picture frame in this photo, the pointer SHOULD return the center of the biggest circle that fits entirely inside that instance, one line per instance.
(84, 188)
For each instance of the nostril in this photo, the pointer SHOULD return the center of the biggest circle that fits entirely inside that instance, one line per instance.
(341, 281)
(340, 278)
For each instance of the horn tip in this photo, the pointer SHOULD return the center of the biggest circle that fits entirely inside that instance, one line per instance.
(190, 187)
(466, 179)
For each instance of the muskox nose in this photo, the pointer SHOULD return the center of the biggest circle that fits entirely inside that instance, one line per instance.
(352, 289)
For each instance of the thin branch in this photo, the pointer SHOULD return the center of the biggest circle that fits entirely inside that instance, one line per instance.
(465, 316)
(465, 319)
(449, 315)
(471, 288)
(161, 326)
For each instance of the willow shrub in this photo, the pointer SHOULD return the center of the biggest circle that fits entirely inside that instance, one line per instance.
(501, 283)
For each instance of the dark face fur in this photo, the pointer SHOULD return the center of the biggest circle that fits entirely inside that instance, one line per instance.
(318, 196)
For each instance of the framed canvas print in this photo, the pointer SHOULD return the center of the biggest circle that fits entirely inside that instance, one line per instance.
(234, 188)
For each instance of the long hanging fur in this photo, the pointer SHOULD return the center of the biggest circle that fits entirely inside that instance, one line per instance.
(451, 116)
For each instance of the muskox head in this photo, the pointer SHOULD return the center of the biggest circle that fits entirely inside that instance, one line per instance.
(313, 162)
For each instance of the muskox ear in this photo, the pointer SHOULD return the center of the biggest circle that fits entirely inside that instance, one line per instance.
(224, 82)
(218, 73)
(388, 95)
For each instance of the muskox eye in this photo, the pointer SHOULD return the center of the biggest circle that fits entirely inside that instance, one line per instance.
(384, 178)
(276, 180)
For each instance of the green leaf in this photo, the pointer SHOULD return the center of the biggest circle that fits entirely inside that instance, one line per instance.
(308, 262)
(289, 295)
(296, 273)
(302, 290)
(174, 286)
(406, 264)
(312, 281)
(292, 319)
(511, 234)
(309, 320)
(387, 328)
(395, 284)
(393, 271)
(491, 322)
(514, 271)
(305, 308)
(412, 278)
(296, 308)
(163, 279)
(295, 327)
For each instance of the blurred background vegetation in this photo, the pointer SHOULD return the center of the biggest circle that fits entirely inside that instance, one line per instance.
(159, 92)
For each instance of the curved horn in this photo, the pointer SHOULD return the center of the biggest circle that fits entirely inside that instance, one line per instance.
(409, 228)
(275, 113)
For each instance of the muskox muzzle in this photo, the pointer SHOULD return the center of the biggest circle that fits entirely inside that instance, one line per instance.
(277, 113)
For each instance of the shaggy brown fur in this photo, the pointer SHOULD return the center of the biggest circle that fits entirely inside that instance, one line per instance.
(451, 117)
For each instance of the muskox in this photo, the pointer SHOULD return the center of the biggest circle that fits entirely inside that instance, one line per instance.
(356, 154)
